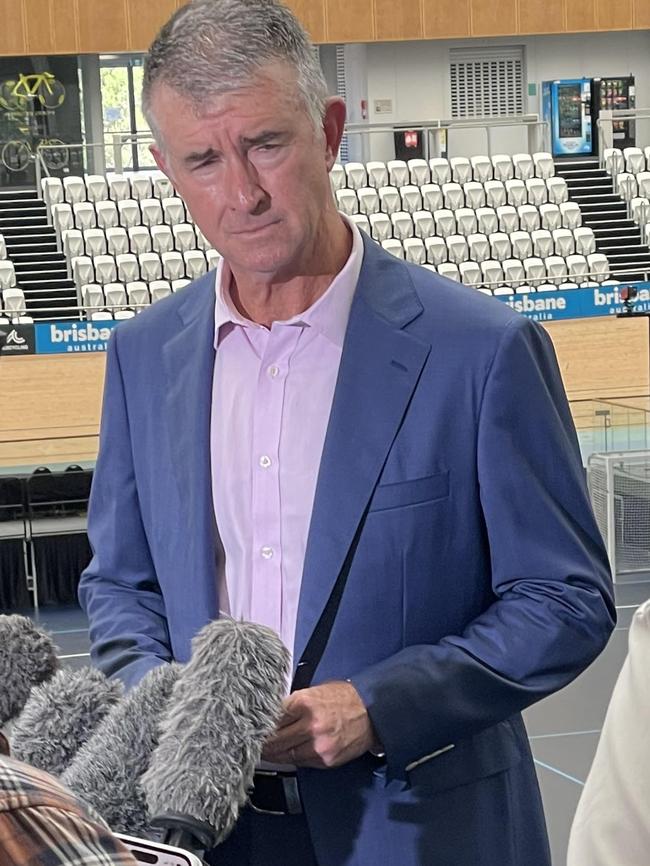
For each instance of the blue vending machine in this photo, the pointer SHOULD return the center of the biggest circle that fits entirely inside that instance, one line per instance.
(566, 105)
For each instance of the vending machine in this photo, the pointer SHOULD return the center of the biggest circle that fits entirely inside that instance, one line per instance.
(612, 94)
(567, 106)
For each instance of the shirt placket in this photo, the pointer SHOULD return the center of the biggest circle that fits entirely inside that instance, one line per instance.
(267, 587)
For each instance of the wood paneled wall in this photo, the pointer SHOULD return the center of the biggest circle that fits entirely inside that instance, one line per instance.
(94, 26)
(55, 401)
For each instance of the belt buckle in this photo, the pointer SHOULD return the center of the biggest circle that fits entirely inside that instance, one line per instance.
(289, 786)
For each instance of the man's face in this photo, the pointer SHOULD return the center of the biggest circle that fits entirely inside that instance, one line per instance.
(253, 170)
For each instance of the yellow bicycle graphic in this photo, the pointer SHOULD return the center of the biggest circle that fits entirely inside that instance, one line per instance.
(41, 86)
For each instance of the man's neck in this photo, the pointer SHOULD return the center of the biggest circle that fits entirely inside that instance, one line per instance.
(267, 300)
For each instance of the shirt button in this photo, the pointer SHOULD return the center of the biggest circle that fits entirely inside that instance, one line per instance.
(265, 461)
(267, 552)
(274, 371)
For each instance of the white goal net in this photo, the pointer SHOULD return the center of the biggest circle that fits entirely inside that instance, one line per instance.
(619, 486)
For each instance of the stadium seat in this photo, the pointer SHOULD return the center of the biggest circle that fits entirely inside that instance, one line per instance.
(162, 186)
(481, 169)
(150, 267)
(563, 242)
(355, 174)
(173, 266)
(529, 219)
(535, 270)
(419, 171)
(390, 199)
(84, 215)
(120, 315)
(52, 189)
(544, 165)
(402, 223)
(551, 216)
(495, 193)
(96, 187)
(598, 266)
(94, 242)
(163, 238)
(7, 274)
(542, 243)
(415, 251)
(101, 316)
(585, 241)
(523, 165)
(457, 249)
(452, 195)
(502, 167)
(380, 226)
(556, 269)
(558, 191)
(470, 273)
(195, 265)
(508, 219)
(3, 248)
(577, 268)
(119, 187)
(522, 245)
(62, 218)
(474, 194)
(466, 222)
(411, 198)
(177, 285)
(105, 270)
(212, 258)
(173, 210)
(487, 220)
(445, 222)
(377, 174)
(137, 295)
(431, 197)
(83, 272)
(614, 160)
(141, 186)
(115, 294)
(536, 191)
(516, 192)
(461, 169)
(492, 271)
(92, 298)
(436, 250)
(152, 213)
(129, 211)
(432, 268)
(423, 224)
(398, 173)
(368, 200)
(440, 170)
(393, 246)
(73, 243)
(524, 289)
(202, 243)
(643, 183)
(547, 287)
(159, 289)
(513, 272)
(107, 215)
(634, 160)
(74, 189)
(361, 221)
(639, 209)
(139, 239)
(128, 269)
(479, 247)
(571, 214)
(449, 270)
(117, 241)
(13, 301)
(338, 180)
(500, 247)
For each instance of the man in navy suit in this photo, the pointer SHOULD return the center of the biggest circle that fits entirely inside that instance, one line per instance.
(320, 408)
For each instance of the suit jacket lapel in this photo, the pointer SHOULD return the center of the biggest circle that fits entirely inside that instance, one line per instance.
(380, 367)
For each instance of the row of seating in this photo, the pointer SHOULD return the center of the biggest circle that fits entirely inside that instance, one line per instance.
(12, 303)
(125, 213)
(513, 273)
(97, 187)
(630, 159)
(7, 274)
(135, 296)
(629, 186)
(494, 193)
(460, 169)
(181, 237)
(148, 267)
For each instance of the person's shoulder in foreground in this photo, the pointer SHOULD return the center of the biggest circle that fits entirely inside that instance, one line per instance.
(42, 824)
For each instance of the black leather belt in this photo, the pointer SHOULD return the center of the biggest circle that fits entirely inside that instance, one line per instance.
(275, 792)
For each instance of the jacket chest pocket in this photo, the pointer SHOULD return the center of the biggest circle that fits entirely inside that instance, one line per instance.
(414, 492)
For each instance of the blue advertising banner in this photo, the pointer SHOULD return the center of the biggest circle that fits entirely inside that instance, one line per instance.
(577, 303)
(54, 338)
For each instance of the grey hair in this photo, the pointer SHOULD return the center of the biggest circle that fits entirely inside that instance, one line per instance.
(212, 47)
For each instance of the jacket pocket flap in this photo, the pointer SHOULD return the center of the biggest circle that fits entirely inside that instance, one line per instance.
(410, 492)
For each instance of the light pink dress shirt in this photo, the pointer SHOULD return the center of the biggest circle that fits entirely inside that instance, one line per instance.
(271, 401)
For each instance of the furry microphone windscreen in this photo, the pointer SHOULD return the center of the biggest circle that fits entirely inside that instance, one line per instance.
(106, 772)
(27, 658)
(224, 706)
(60, 716)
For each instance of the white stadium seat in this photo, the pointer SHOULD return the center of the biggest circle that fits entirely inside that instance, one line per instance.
(402, 223)
(212, 258)
(84, 215)
(508, 219)
(105, 269)
(62, 217)
(92, 298)
(419, 171)
(571, 215)
(150, 267)
(355, 173)
(7, 275)
(73, 243)
(377, 174)
(96, 187)
(598, 266)
(495, 193)
(95, 242)
(487, 220)
(551, 216)
(102, 316)
(117, 241)
(415, 251)
(445, 222)
(492, 271)
(500, 247)
(139, 239)
(542, 243)
(380, 226)
(522, 245)
(120, 315)
(516, 192)
(474, 194)
(152, 213)
(177, 285)
(82, 270)
(547, 287)
(513, 272)
(411, 198)
(423, 224)
(563, 242)
(558, 191)
(577, 268)
(452, 195)
(115, 294)
(457, 249)
(529, 219)
(440, 170)
(556, 269)
(390, 199)
(431, 196)
(393, 246)
(436, 250)
(159, 289)
(119, 187)
(544, 165)
(449, 270)
(52, 190)
(398, 173)
(535, 270)
(523, 165)
(74, 189)
(361, 221)
(643, 183)
(479, 247)
(141, 186)
(164, 238)
(173, 210)
(347, 201)
(173, 266)
(470, 273)
(137, 295)
(634, 160)
(536, 191)
(13, 300)
(461, 169)
(195, 264)
(502, 166)
(466, 222)
(368, 200)
(482, 169)
(338, 180)
(129, 211)
(585, 241)
(107, 215)
(162, 186)
(3, 248)
(128, 269)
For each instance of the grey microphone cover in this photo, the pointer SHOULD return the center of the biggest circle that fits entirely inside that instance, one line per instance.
(27, 658)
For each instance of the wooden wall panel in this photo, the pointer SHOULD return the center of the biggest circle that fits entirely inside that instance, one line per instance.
(350, 21)
(542, 16)
(145, 20)
(641, 14)
(38, 23)
(580, 15)
(490, 21)
(65, 25)
(12, 28)
(614, 15)
(312, 15)
(103, 27)
(395, 20)
(446, 18)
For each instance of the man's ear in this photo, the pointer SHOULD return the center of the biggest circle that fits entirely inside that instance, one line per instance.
(159, 156)
(333, 126)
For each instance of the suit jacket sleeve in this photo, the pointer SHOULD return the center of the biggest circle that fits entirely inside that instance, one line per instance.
(552, 611)
(119, 590)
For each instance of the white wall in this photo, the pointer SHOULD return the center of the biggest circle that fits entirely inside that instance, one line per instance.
(415, 77)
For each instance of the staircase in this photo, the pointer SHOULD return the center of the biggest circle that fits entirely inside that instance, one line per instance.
(41, 270)
(617, 236)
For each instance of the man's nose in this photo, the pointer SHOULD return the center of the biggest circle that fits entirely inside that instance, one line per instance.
(243, 188)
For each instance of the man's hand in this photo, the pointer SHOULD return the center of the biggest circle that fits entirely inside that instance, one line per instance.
(322, 726)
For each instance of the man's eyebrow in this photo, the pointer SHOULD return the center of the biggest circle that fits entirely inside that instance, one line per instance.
(195, 157)
(265, 137)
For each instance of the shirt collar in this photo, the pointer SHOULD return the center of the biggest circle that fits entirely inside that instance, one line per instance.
(329, 314)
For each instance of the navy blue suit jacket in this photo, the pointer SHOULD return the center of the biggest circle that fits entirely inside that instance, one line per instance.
(479, 583)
